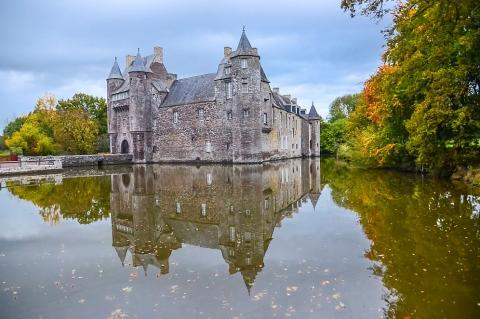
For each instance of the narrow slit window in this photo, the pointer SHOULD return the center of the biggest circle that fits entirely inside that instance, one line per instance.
(175, 117)
(228, 89)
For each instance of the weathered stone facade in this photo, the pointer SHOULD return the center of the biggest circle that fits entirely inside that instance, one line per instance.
(229, 116)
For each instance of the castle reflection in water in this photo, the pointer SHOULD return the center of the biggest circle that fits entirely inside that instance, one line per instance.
(234, 208)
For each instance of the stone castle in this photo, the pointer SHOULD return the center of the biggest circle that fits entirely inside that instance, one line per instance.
(229, 116)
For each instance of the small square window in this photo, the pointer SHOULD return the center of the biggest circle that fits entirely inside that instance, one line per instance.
(244, 64)
(227, 70)
(229, 115)
(244, 87)
(246, 113)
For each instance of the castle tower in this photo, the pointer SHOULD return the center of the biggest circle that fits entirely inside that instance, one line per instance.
(140, 125)
(238, 83)
(114, 81)
(314, 120)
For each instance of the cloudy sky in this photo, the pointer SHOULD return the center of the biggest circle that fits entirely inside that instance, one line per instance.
(309, 48)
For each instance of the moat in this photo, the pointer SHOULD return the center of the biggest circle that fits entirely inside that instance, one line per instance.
(297, 238)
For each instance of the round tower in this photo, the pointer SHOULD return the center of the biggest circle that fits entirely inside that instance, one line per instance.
(140, 110)
(115, 81)
(314, 120)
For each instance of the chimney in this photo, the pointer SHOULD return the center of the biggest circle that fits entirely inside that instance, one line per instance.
(276, 90)
(294, 100)
(288, 96)
(158, 52)
(130, 59)
(227, 51)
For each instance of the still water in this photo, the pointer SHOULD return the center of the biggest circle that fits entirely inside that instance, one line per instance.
(297, 238)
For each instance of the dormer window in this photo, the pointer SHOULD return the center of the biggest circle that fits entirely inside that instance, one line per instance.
(227, 70)
(244, 63)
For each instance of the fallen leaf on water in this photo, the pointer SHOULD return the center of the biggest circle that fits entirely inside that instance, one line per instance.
(340, 306)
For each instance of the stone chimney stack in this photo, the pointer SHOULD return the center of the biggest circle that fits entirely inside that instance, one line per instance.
(227, 51)
(276, 90)
(129, 60)
(294, 100)
(158, 52)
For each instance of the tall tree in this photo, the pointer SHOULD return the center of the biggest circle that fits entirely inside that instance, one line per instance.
(343, 106)
(425, 99)
(95, 106)
(75, 131)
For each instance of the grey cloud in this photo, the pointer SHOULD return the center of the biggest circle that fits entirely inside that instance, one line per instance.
(69, 46)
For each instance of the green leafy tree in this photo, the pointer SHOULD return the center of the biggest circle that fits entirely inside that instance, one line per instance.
(332, 136)
(75, 131)
(35, 135)
(422, 105)
(343, 106)
(13, 126)
(95, 107)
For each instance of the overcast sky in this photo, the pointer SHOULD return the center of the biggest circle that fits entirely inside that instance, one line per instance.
(309, 48)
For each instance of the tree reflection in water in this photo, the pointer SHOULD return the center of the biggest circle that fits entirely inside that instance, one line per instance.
(425, 238)
(424, 233)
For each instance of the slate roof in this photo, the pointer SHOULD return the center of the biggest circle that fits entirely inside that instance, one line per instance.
(313, 115)
(115, 72)
(244, 47)
(160, 86)
(138, 64)
(200, 88)
(263, 75)
(244, 44)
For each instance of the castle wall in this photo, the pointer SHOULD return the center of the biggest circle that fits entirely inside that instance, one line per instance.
(285, 138)
(206, 137)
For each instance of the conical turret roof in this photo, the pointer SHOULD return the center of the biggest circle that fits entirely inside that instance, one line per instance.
(138, 65)
(122, 253)
(244, 47)
(115, 73)
(244, 44)
(313, 115)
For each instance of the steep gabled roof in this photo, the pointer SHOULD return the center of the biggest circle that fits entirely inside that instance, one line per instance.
(200, 88)
(115, 72)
